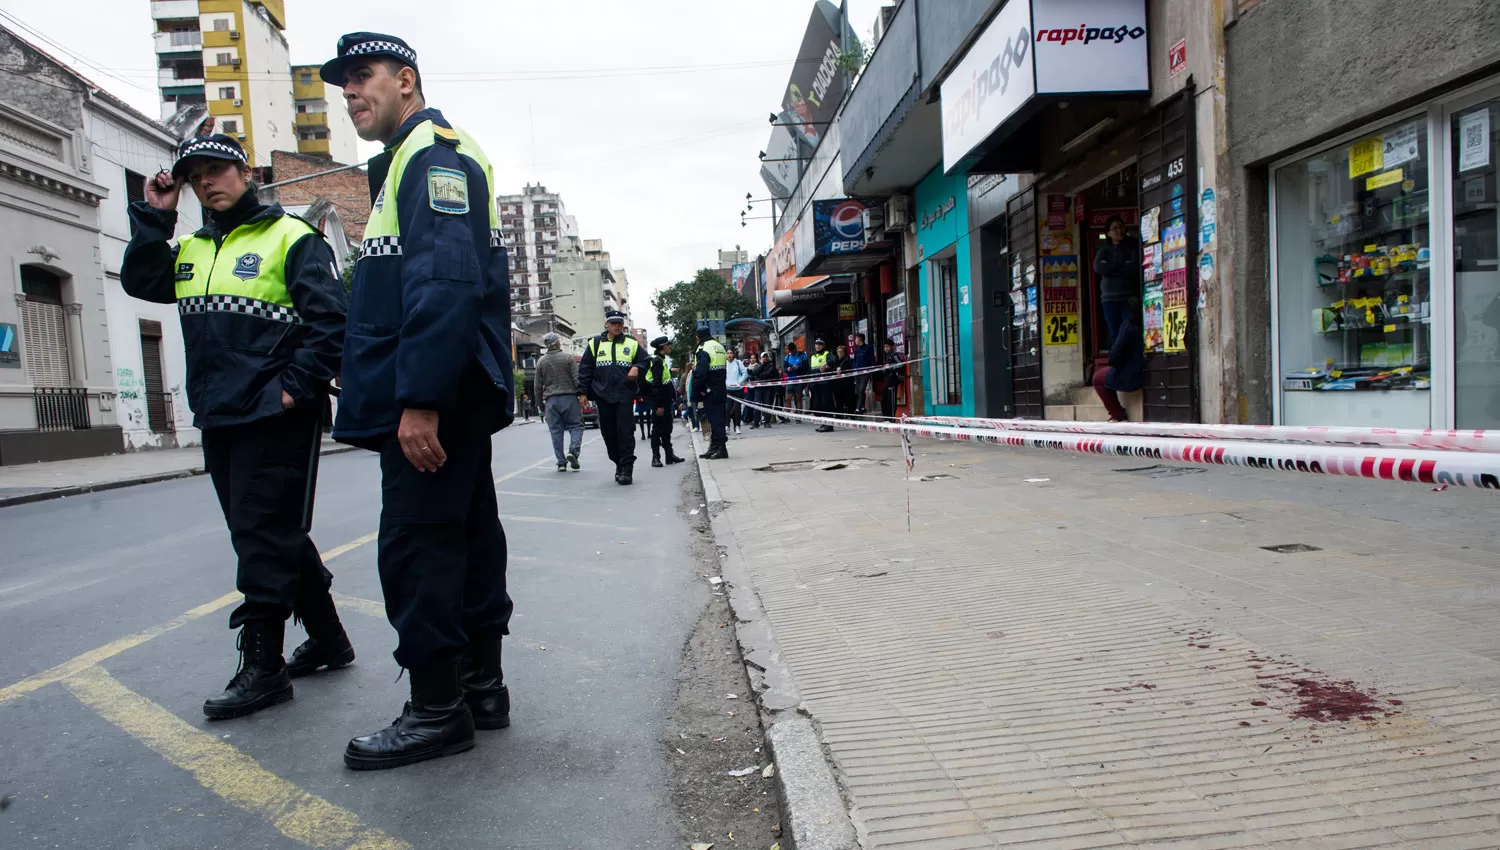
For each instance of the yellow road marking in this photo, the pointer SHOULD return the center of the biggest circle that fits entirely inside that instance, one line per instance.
(227, 772)
(74, 666)
(548, 519)
(543, 462)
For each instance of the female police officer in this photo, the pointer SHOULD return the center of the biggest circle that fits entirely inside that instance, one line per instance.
(262, 315)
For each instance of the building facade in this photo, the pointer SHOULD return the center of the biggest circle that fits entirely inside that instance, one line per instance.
(230, 56)
(324, 128)
(534, 223)
(583, 285)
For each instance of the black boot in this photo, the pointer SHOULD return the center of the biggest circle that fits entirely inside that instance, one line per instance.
(327, 646)
(716, 451)
(435, 723)
(483, 681)
(261, 681)
(672, 456)
(627, 469)
(619, 471)
(655, 457)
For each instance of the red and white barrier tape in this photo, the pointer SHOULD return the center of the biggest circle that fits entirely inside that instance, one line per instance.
(1473, 441)
(834, 376)
(1425, 466)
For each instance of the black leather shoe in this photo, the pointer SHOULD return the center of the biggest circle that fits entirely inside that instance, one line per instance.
(483, 682)
(656, 461)
(435, 722)
(261, 681)
(627, 470)
(325, 654)
(671, 458)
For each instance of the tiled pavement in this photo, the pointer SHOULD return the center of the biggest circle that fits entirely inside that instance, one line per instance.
(1084, 661)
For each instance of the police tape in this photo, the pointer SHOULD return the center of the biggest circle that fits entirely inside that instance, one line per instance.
(834, 376)
(1409, 438)
(1425, 466)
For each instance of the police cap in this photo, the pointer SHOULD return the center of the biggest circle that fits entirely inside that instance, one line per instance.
(218, 146)
(614, 316)
(355, 46)
(659, 342)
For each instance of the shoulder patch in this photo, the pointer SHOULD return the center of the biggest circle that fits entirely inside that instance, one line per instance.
(448, 190)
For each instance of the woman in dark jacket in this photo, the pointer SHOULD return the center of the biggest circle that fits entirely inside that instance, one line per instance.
(765, 396)
(1117, 263)
(1127, 363)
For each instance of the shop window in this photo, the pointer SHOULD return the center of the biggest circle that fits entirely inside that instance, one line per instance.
(1476, 267)
(1353, 282)
(947, 385)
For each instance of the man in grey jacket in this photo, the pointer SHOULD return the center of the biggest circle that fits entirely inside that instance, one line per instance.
(557, 386)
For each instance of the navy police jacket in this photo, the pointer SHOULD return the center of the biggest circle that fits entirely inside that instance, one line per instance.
(430, 306)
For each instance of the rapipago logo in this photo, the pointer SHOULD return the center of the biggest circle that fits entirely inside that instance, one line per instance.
(846, 223)
(1088, 35)
(991, 80)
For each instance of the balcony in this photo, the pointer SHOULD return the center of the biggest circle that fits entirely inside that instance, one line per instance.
(174, 10)
(312, 119)
(168, 78)
(313, 147)
(178, 42)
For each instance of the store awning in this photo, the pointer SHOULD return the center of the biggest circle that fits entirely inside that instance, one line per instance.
(813, 298)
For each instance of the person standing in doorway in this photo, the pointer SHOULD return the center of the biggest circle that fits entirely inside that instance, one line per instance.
(1117, 263)
(611, 363)
(557, 385)
(426, 383)
(1127, 363)
(263, 318)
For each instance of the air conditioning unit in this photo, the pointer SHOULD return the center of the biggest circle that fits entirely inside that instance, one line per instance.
(234, 34)
(239, 102)
(235, 61)
(240, 135)
(898, 212)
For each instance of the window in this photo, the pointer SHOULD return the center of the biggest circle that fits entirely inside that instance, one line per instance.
(223, 58)
(158, 400)
(135, 190)
(44, 328)
(301, 109)
(947, 385)
(226, 92)
(306, 78)
(320, 134)
(1476, 266)
(230, 127)
(221, 25)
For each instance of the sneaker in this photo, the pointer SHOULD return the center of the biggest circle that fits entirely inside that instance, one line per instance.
(573, 459)
(562, 467)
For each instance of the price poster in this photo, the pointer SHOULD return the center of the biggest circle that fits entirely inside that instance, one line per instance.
(1174, 300)
(1060, 299)
(1151, 316)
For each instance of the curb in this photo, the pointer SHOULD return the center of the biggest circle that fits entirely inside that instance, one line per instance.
(813, 813)
(102, 486)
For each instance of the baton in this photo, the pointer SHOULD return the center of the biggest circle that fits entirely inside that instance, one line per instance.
(309, 494)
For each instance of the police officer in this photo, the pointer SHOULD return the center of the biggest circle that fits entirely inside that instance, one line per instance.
(263, 318)
(426, 383)
(822, 364)
(709, 372)
(607, 373)
(661, 395)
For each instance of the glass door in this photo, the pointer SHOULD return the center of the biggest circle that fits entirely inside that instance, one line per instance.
(1476, 265)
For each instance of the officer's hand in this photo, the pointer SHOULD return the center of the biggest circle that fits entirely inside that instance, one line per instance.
(583, 398)
(634, 371)
(162, 191)
(287, 402)
(418, 434)
(661, 411)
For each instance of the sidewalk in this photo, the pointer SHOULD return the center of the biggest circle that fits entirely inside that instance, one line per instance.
(1075, 652)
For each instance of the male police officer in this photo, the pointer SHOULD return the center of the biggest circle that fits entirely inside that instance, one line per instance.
(661, 395)
(709, 372)
(263, 318)
(426, 382)
(611, 363)
(822, 391)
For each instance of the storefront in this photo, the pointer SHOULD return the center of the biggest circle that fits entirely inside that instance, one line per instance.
(1386, 271)
(945, 317)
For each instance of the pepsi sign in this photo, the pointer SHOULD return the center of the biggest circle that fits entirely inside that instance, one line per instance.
(848, 226)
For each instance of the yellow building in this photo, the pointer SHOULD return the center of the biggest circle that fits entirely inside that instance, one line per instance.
(323, 125)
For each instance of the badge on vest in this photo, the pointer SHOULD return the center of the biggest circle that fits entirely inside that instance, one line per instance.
(380, 199)
(448, 190)
(247, 266)
(184, 271)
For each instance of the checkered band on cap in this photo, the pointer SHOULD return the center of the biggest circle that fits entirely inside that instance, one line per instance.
(368, 47)
(237, 304)
(201, 145)
(380, 246)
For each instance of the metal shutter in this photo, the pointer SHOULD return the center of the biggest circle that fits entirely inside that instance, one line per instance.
(158, 412)
(45, 330)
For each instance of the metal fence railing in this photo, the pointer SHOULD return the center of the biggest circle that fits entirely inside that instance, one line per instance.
(61, 408)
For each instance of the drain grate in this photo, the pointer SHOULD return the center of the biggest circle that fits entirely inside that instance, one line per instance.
(1291, 548)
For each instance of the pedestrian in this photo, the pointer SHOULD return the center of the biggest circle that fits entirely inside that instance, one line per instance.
(642, 413)
(427, 382)
(821, 364)
(711, 362)
(794, 365)
(864, 358)
(661, 394)
(843, 388)
(557, 384)
(264, 332)
(892, 376)
(1127, 363)
(1117, 265)
(765, 374)
(611, 363)
(735, 377)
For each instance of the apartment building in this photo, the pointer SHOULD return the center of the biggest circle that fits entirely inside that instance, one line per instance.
(534, 223)
(324, 128)
(230, 57)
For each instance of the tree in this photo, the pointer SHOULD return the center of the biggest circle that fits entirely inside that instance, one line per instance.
(679, 305)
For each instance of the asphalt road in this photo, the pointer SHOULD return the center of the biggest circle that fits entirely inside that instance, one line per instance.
(607, 593)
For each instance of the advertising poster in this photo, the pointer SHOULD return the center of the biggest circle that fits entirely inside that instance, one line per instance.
(739, 276)
(839, 226)
(1473, 140)
(1174, 298)
(10, 347)
(1151, 225)
(1151, 316)
(1060, 299)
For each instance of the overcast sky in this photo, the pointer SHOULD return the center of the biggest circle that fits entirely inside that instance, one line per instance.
(646, 116)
